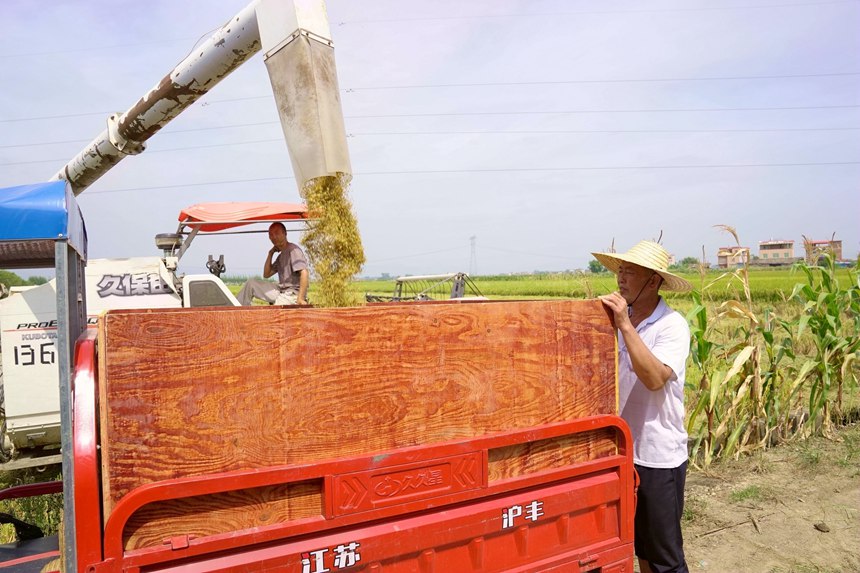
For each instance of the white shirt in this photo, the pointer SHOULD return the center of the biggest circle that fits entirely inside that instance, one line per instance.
(656, 417)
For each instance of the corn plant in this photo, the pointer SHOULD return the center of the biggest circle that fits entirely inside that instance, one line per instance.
(742, 402)
(831, 314)
(728, 398)
(702, 351)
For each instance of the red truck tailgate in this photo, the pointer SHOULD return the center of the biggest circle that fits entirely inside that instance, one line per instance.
(427, 509)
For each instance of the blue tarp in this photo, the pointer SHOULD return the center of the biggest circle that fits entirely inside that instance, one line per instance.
(30, 215)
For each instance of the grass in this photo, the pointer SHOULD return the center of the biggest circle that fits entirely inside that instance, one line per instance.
(693, 509)
(850, 458)
(809, 455)
(749, 493)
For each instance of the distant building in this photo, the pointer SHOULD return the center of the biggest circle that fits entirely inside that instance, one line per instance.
(728, 257)
(814, 249)
(776, 252)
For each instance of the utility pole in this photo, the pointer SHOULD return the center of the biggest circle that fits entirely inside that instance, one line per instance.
(473, 260)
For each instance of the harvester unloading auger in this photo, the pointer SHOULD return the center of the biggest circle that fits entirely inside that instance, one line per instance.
(295, 39)
(296, 42)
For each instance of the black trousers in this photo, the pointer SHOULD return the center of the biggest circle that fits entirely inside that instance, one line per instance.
(657, 527)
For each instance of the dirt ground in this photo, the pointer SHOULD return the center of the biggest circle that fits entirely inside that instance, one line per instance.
(792, 509)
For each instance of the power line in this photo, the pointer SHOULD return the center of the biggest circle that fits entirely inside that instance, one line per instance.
(181, 185)
(480, 113)
(161, 133)
(584, 131)
(481, 132)
(105, 113)
(578, 111)
(476, 132)
(612, 81)
(107, 48)
(607, 168)
(94, 48)
(193, 147)
(594, 12)
(500, 170)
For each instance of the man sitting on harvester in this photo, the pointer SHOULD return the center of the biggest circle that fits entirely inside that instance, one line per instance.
(292, 267)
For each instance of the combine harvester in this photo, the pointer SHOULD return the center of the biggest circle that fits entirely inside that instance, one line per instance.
(441, 437)
(28, 320)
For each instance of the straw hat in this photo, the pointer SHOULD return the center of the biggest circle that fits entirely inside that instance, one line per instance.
(650, 255)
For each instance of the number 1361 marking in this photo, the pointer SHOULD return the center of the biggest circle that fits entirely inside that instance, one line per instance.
(30, 354)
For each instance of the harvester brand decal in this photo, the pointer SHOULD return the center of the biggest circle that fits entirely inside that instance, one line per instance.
(39, 325)
(382, 487)
(531, 511)
(341, 557)
(138, 284)
(45, 325)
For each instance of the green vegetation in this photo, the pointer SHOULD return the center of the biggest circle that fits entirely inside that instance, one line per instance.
(749, 493)
(851, 453)
(693, 508)
(766, 285)
(10, 279)
(43, 511)
(766, 373)
(810, 456)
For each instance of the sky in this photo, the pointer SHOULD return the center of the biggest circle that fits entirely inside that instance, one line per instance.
(487, 136)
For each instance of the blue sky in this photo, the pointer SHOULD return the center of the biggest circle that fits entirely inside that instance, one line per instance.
(544, 129)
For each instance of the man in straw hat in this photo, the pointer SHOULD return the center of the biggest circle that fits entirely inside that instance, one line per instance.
(653, 345)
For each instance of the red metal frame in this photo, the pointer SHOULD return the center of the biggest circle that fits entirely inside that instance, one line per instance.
(31, 490)
(30, 559)
(88, 522)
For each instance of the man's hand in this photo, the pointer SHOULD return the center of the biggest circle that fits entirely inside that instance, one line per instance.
(618, 307)
(650, 371)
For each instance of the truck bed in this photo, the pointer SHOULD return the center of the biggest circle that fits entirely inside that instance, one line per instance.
(412, 437)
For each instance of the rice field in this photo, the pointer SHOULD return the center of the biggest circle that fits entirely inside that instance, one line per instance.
(766, 285)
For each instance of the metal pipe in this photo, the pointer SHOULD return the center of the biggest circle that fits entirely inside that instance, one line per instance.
(126, 134)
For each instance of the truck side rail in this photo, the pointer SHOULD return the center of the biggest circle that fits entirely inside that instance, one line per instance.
(367, 491)
(85, 439)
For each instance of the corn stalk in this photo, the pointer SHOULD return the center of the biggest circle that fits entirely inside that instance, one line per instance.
(831, 314)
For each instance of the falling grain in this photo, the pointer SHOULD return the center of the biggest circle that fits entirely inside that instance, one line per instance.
(332, 243)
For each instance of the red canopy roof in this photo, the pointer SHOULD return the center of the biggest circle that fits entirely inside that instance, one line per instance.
(219, 216)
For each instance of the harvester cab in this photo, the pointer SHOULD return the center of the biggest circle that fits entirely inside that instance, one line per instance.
(204, 219)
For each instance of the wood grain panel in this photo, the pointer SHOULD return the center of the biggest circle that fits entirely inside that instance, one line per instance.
(232, 511)
(532, 457)
(196, 391)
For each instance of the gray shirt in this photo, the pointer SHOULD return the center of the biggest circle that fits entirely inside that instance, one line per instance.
(289, 263)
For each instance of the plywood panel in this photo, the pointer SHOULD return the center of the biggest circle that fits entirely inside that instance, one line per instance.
(533, 457)
(192, 392)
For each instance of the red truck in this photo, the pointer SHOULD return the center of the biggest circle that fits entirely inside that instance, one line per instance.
(431, 437)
